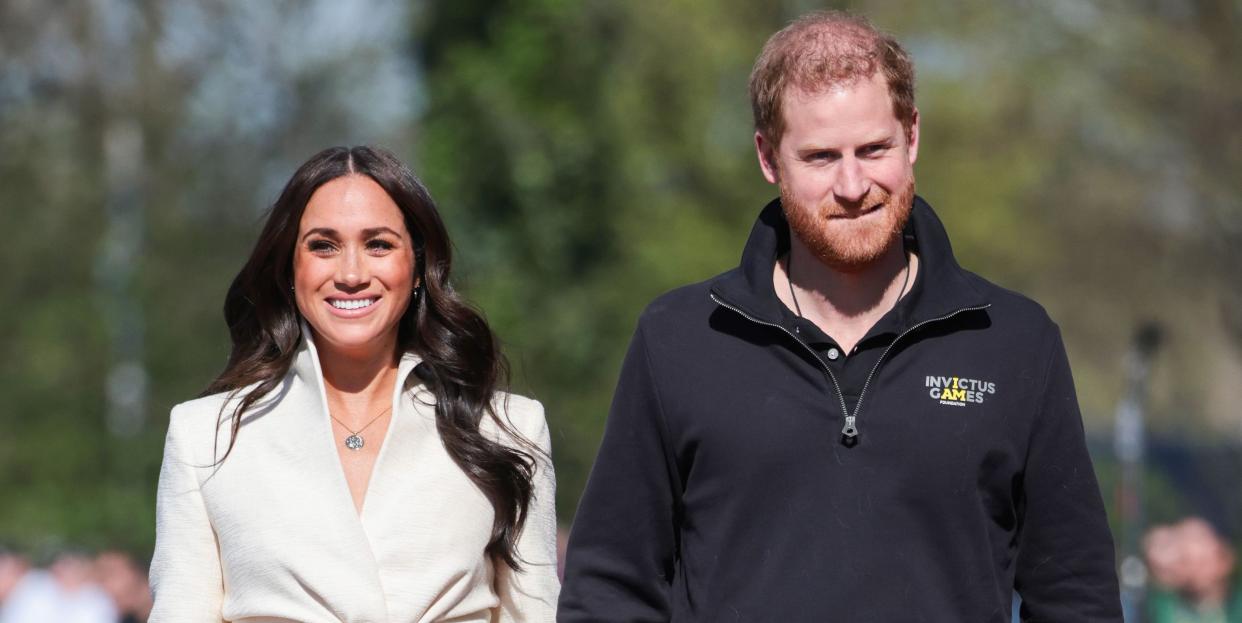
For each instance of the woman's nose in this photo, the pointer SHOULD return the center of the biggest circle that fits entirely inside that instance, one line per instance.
(351, 268)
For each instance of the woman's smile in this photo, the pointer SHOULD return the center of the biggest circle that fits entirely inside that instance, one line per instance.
(352, 307)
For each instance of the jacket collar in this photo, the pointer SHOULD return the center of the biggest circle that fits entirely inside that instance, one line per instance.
(940, 288)
(307, 369)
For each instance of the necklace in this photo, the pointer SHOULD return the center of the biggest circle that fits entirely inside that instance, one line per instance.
(355, 441)
(905, 281)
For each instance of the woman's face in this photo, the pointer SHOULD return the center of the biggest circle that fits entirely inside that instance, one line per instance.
(353, 266)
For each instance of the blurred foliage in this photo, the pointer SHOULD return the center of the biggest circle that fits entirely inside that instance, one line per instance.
(587, 156)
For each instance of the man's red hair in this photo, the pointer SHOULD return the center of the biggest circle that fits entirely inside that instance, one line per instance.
(822, 50)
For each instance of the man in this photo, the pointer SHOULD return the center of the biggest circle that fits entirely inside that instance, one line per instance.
(848, 426)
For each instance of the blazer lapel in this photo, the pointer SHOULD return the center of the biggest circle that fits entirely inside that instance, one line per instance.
(340, 522)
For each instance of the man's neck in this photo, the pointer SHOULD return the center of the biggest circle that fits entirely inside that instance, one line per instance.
(843, 304)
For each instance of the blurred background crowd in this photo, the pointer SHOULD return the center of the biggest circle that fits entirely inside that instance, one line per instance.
(109, 587)
(588, 155)
(1193, 571)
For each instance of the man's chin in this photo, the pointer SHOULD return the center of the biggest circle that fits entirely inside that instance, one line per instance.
(851, 255)
(851, 245)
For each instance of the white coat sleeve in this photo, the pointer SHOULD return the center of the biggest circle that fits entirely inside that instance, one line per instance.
(186, 580)
(531, 594)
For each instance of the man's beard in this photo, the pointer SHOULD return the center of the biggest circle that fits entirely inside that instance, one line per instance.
(850, 245)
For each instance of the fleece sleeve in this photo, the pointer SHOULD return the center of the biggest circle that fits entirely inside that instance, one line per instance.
(622, 549)
(186, 580)
(530, 595)
(1065, 569)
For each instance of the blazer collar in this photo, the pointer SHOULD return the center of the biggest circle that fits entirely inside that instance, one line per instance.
(306, 364)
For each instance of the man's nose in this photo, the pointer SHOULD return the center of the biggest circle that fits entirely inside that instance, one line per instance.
(852, 184)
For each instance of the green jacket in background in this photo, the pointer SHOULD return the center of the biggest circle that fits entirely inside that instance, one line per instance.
(1169, 607)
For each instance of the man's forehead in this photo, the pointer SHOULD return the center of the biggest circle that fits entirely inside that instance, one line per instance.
(839, 117)
(807, 91)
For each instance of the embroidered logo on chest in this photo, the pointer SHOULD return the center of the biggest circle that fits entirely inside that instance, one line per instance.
(958, 391)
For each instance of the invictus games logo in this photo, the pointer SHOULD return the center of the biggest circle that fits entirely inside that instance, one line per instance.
(957, 391)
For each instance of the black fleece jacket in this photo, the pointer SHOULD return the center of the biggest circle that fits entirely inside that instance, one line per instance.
(728, 488)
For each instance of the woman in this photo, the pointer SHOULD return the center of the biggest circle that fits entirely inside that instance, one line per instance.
(356, 460)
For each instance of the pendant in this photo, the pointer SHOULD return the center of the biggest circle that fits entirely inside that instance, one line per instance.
(353, 442)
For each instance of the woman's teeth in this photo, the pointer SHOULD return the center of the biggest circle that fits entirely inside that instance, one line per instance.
(351, 303)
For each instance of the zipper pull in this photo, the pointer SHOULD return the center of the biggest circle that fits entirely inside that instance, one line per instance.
(850, 431)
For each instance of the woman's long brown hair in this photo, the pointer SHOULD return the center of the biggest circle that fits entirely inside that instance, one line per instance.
(461, 361)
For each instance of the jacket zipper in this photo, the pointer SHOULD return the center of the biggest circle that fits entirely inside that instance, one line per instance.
(848, 418)
(850, 430)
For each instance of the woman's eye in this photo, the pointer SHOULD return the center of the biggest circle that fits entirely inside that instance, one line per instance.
(320, 246)
(379, 245)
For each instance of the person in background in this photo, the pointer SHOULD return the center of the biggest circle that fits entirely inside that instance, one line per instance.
(65, 593)
(849, 426)
(358, 459)
(125, 581)
(1193, 571)
(13, 568)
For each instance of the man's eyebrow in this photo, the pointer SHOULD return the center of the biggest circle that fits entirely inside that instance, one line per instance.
(813, 148)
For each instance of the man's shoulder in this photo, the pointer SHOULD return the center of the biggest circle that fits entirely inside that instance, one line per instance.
(675, 307)
(1012, 308)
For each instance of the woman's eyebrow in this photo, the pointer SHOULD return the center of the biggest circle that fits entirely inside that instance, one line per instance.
(366, 233)
(372, 231)
(323, 231)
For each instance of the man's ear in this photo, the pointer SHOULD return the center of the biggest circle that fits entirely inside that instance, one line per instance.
(766, 152)
(913, 137)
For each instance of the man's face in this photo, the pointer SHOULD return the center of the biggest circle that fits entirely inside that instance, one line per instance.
(845, 167)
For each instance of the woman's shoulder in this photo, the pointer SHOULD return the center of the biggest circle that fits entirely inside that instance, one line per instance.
(200, 416)
(517, 405)
(198, 408)
(525, 415)
(203, 404)
(193, 426)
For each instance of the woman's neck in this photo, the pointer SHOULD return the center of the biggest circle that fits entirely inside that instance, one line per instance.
(358, 384)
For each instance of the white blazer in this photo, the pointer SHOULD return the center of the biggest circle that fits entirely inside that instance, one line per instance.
(271, 533)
